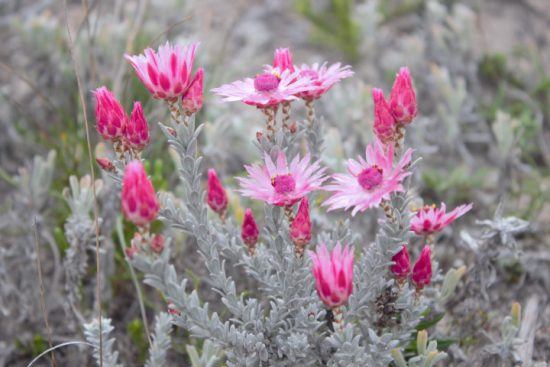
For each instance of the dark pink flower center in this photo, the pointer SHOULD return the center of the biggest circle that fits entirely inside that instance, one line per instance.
(370, 177)
(266, 82)
(283, 184)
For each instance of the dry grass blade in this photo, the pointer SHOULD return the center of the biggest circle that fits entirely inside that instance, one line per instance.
(92, 174)
(42, 298)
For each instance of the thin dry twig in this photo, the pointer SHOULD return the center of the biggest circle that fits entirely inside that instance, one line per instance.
(42, 298)
(92, 174)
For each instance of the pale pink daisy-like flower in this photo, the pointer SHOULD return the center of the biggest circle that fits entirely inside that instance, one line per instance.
(166, 73)
(279, 183)
(430, 219)
(322, 78)
(265, 90)
(333, 274)
(369, 181)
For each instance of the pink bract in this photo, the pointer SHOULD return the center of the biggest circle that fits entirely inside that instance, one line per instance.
(216, 197)
(192, 100)
(249, 230)
(322, 78)
(282, 60)
(333, 274)
(265, 90)
(300, 228)
(166, 73)
(430, 219)
(403, 98)
(422, 270)
(402, 263)
(384, 122)
(111, 119)
(282, 184)
(369, 180)
(139, 201)
(137, 131)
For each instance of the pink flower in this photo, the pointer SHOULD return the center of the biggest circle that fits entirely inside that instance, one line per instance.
(322, 78)
(282, 60)
(167, 72)
(369, 180)
(192, 100)
(422, 270)
(265, 90)
(137, 130)
(384, 122)
(139, 201)
(333, 274)
(282, 184)
(402, 264)
(403, 98)
(300, 228)
(249, 231)
(430, 219)
(157, 244)
(110, 117)
(216, 196)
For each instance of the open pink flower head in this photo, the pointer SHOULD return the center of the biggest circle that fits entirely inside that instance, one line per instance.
(333, 274)
(403, 98)
(300, 228)
(249, 230)
(422, 270)
(384, 122)
(430, 219)
(322, 78)
(110, 117)
(369, 180)
(216, 197)
(137, 130)
(282, 60)
(282, 184)
(402, 263)
(193, 98)
(139, 201)
(265, 90)
(166, 73)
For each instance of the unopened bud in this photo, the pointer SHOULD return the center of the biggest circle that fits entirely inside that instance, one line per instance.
(106, 164)
(516, 314)
(421, 341)
(157, 243)
(293, 127)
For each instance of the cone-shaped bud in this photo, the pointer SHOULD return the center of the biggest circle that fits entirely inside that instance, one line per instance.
(422, 270)
(110, 117)
(283, 60)
(192, 99)
(131, 251)
(300, 228)
(402, 264)
(216, 196)
(403, 98)
(105, 164)
(333, 274)
(137, 130)
(384, 122)
(250, 231)
(139, 201)
(157, 243)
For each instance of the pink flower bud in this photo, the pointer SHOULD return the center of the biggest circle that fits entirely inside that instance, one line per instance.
(139, 202)
(422, 270)
(283, 60)
(333, 274)
(384, 122)
(192, 99)
(250, 231)
(137, 130)
(402, 264)
(300, 228)
(105, 164)
(157, 243)
(403, 98)
(110, 117)
(131, 251)
(216, 195)
(172, 310)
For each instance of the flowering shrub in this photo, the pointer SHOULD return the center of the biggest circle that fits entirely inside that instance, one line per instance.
(340, 303)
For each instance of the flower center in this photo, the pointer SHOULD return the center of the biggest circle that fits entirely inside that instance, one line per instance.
(370, 177)
(265, 82)
(283, 184)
